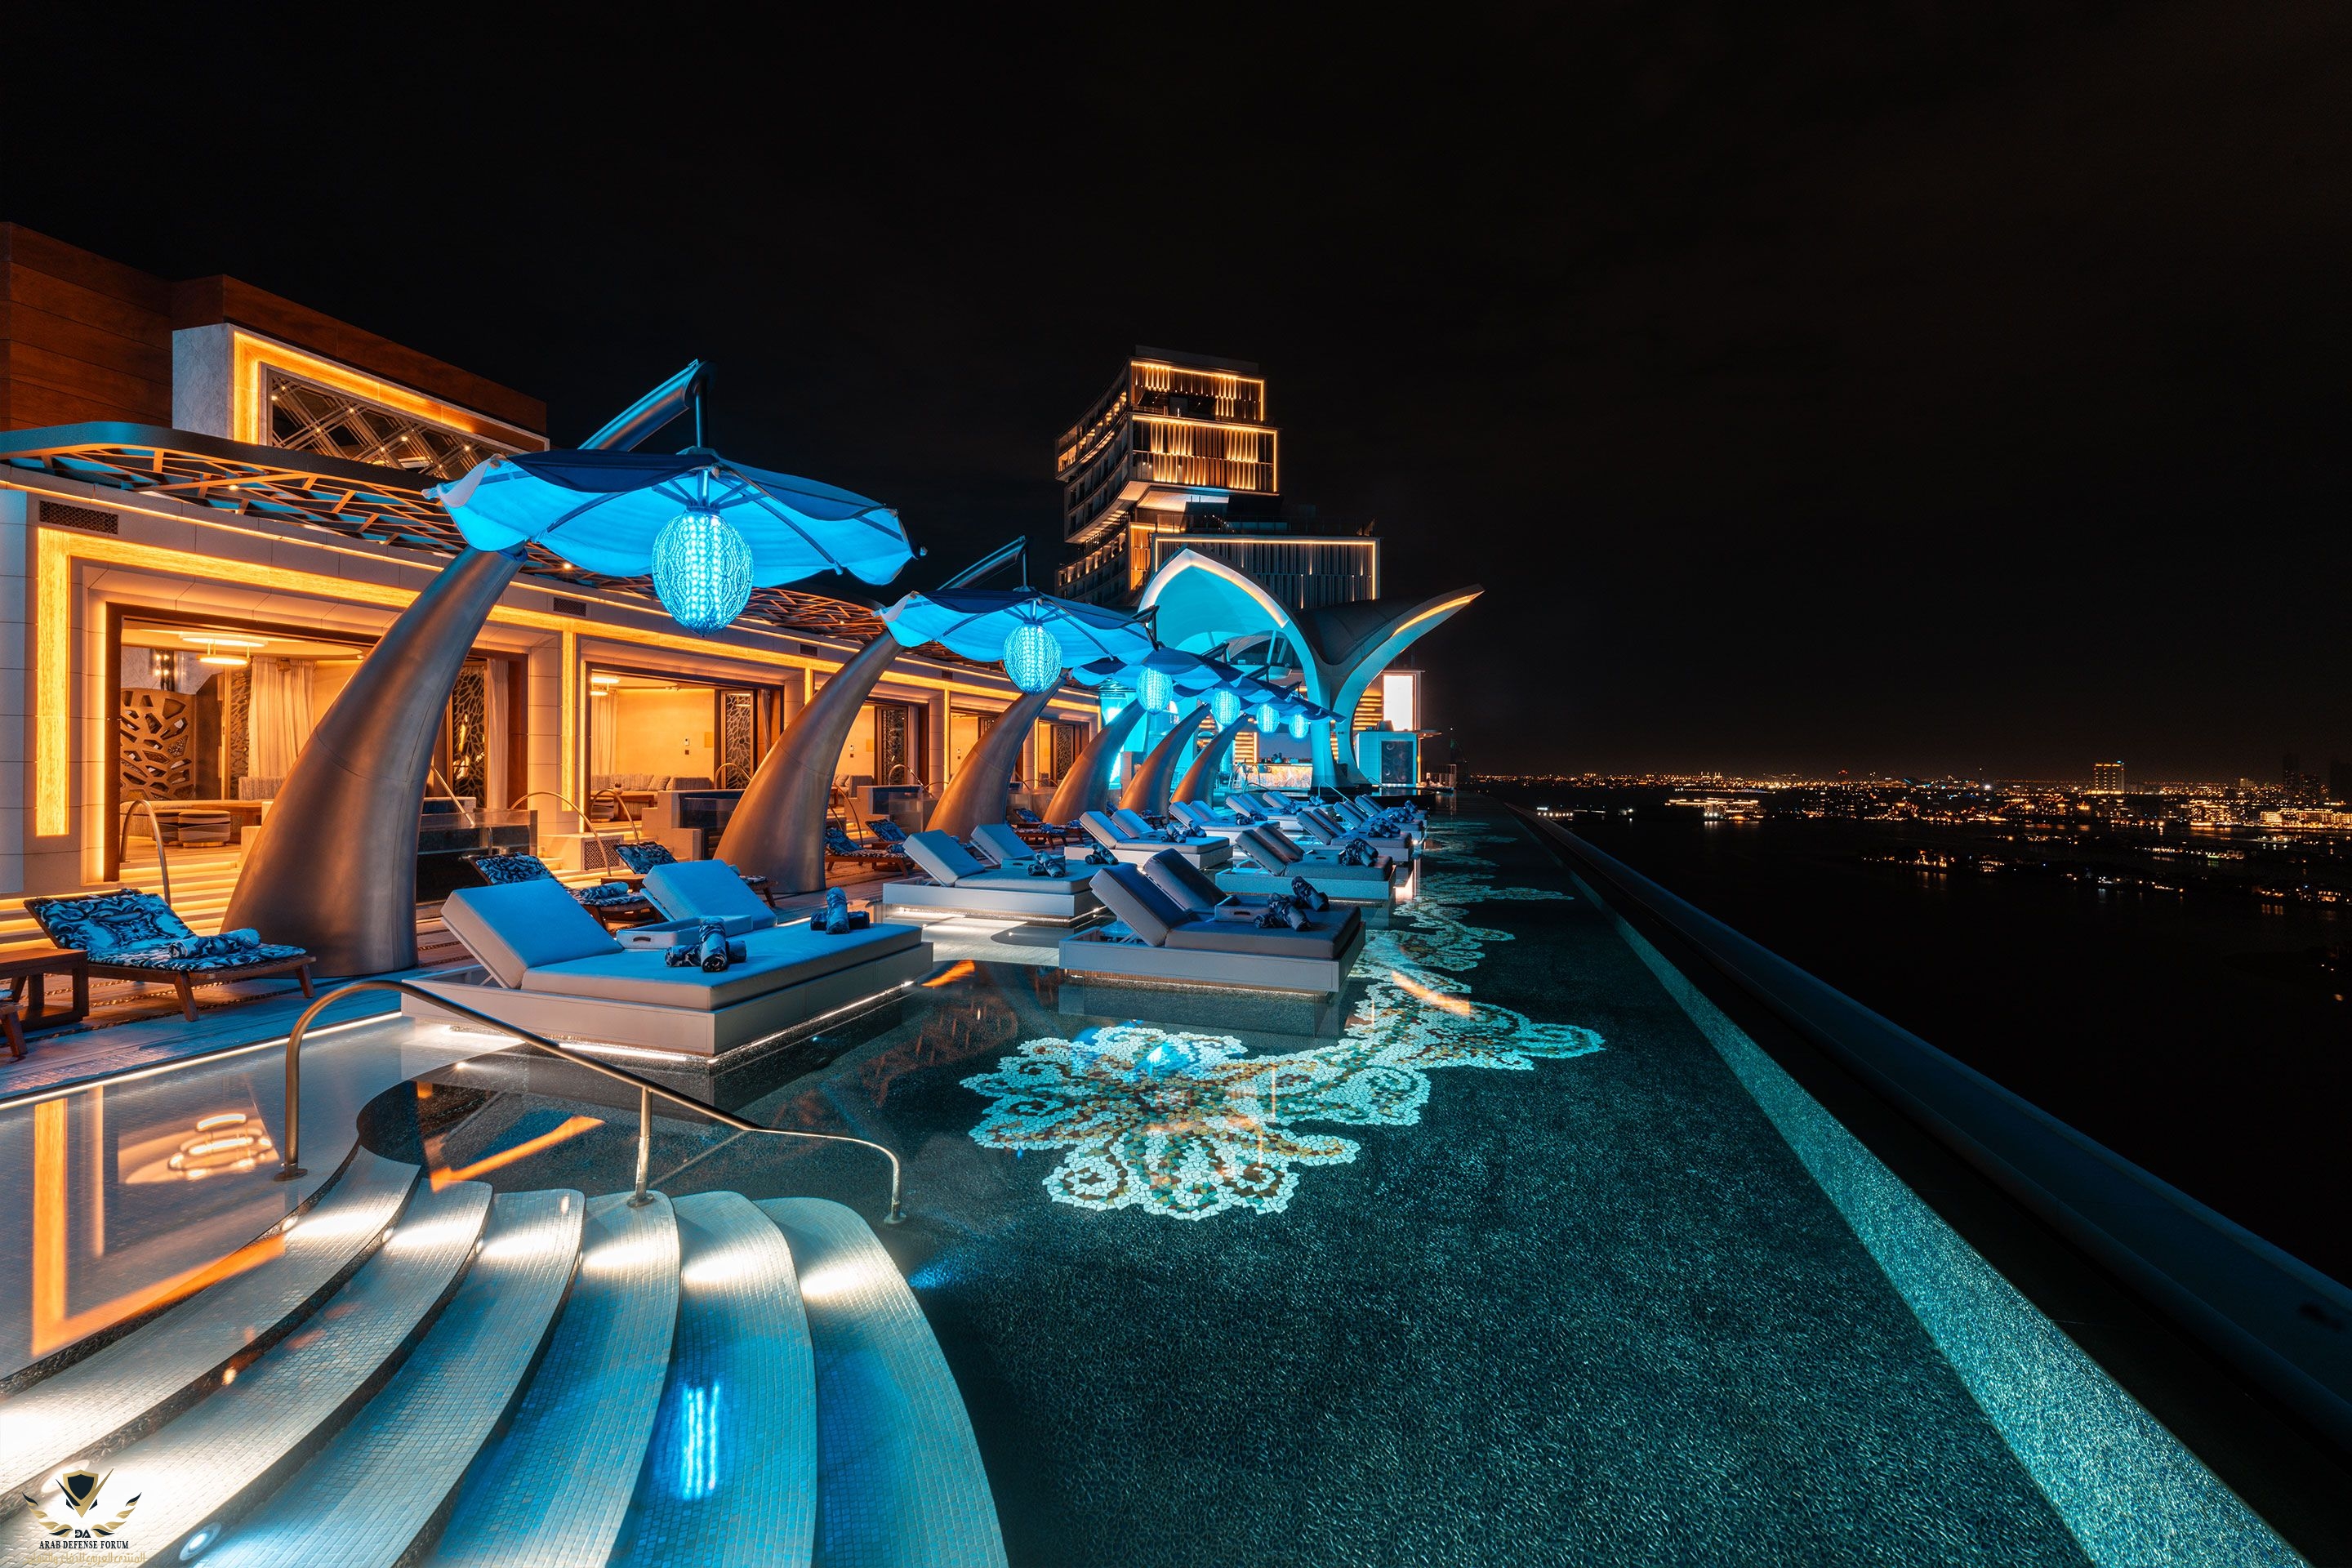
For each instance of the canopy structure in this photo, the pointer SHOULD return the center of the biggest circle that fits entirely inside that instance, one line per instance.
(1210, 606)
(975, 623)
(603, 511)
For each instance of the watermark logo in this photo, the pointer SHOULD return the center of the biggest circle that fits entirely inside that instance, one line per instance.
(81, 1489)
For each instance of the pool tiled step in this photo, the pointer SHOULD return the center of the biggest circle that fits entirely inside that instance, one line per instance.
(533, 1381)
(593, 1398)
(900, 1483)
(107, 1400)
(382, 1482)
(198, 1473)
(732, 1469)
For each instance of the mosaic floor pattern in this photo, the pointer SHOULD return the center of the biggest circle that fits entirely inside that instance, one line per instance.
(1186, 1125)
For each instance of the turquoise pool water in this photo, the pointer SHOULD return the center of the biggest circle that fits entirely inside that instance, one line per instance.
(1520, 1254)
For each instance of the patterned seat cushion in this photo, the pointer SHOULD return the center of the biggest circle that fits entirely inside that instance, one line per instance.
(105, 923)
(641, 856)
(172, 963)
(498, 870)
(604, 895)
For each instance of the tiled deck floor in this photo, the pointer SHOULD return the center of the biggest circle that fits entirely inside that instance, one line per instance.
(1443, 1283)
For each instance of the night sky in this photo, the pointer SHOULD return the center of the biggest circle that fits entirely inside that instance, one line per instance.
(1880, 386)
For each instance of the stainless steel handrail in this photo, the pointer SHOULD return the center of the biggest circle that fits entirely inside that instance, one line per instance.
(621, 805)
(156, 830)
(290, 1165)
(467, 816)
(585, 831)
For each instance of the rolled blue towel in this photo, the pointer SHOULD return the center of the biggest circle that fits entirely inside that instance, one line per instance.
(1278, 911)
(1308, 894)
(1099, 856)
(1049, 866)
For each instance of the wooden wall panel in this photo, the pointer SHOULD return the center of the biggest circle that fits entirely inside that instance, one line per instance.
(81, 338)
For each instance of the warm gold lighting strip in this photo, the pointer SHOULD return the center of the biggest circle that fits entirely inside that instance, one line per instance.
(250, 357)
(57, 550)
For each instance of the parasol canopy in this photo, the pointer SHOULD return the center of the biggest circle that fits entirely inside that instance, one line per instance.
(603, 511)
(1008, 624)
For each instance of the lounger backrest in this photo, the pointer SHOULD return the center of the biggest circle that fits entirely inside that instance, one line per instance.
(1354, 809)
(1185, 883)
(1265, 854)
(1129, 895)
(1001, 841)
(1190, 815)
(1322, 822)
(704, 890)
(523, 925)
(1099, 829)
(942, 856)
(1284, 845)
(1135, 826)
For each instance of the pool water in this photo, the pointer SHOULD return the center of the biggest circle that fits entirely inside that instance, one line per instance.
(1511, 1255)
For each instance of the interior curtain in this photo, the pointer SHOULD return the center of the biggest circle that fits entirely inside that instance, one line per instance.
(499, 788)
(279, 716)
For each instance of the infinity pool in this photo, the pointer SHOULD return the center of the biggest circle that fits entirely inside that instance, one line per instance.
(1520, 1254)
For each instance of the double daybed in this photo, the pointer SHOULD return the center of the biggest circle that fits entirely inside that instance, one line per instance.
(554, 970)
(1020, 885)
(1134, 840)
(1187, 939)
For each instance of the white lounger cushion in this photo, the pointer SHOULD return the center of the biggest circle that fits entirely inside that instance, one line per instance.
(515, 927)
(787, 955)
(1001, 841)
(709, 891)
(943, 858)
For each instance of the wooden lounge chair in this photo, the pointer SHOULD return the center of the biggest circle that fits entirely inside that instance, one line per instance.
(613, 904)
(132, 935)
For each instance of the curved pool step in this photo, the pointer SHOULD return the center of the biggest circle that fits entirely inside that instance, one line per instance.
(110, 1399)
(197, 1474)
(730, 1474)
(589, 1411)
(384, 1480)
(900, 1481)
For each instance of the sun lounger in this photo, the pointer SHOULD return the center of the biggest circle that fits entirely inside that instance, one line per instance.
(132, 935)
(1193, 890)
(613, 904)
(1204, 819)
(1333, 832)
(1203, 849)
(558, 972)
(1158, 940)
(1269, 859)
(957, 881)
(1001, 844)
(708, 891)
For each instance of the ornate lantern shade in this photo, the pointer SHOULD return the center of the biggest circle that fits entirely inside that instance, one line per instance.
(1266, 719)
(701, 570)
(1033, 658)
(1298, 726)
(1157, 691)
(1224, 707)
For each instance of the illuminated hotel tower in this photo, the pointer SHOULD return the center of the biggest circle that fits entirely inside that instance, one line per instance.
(1177, 454)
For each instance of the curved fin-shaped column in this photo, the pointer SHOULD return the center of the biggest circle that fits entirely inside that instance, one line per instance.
(981, 790)
(778, 827)
(1147, 791)
(1203, 774)
(1086, 786)
(335, 868)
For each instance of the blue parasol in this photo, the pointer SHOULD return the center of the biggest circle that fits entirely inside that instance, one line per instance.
(698, 522)
(1036, 635)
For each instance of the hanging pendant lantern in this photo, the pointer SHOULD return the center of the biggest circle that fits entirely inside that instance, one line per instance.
(1224, 707)
(702, 570)
(1155, 690)
(1266, 719)
(1033, 659)
(1298, 726)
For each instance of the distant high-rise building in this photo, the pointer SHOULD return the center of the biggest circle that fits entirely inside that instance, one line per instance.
(2106, 778)
(1177, 454)
(2339, 783)
(2290, 766)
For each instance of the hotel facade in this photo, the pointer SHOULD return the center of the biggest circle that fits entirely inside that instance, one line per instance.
(212, 504)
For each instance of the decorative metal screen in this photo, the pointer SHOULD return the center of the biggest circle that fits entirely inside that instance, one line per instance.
(155, 746)
(1063, 740)
(894, 750)
(735, 759)
(470, 738)
(306, 417)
